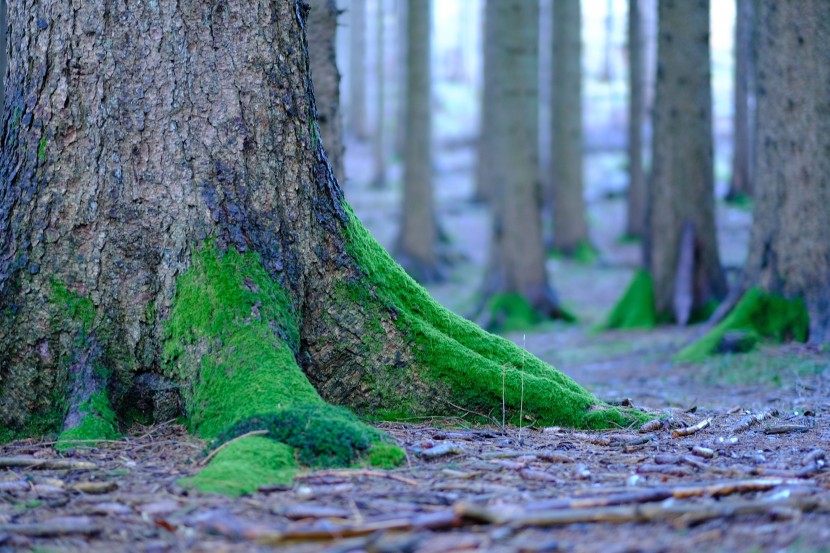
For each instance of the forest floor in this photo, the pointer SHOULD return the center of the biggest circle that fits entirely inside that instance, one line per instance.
(752, 478)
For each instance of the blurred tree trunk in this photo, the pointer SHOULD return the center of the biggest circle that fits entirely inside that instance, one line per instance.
(570, 226)
(741, 183)
(636, 205)
(357, 69)
(517, 256)
(419, 237)
(322, 30)
(400, 77)
(491, 108)
(681, 191)
(790, 247)
(379, 143)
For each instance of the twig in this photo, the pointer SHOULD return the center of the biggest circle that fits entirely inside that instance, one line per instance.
(213, 453)
(752, 419)
(470, 411)
(62, 527)
(359, 472)
(36, 463)
(689, 430)
(522, 396)
(786, 429)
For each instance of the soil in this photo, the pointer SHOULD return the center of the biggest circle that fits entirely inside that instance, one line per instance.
(738, 484)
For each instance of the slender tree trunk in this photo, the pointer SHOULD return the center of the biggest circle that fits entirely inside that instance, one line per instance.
(741, 183)
(570, 226)
(401, 55)
(418, 235)
(322, 30)
(790, 245)
(491, 108)
(357, 69)
(636, 205)
(379, 179)
(682, 185)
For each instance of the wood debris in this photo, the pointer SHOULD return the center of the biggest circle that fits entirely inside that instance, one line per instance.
(752, 419)
(59, 526)
(25, 461)
(689, 430)
(442, 450)
(786, 429)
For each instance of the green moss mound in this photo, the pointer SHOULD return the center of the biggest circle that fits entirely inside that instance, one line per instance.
(244, 466)
(386, 456)
(761, 313)
(511, 312)
(636, 307)
(478, 367)
(98, 423)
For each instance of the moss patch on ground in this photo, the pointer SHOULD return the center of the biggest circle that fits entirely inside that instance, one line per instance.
(584, 253)
(761, 313)
(510, 312)
(479, 368)
(231, 341)
(98, 423)
(636, 306)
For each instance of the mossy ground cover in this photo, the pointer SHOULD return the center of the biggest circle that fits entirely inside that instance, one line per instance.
(636, 306)
(481, 369)
(98, 423)
(761, 313)
(231, 341)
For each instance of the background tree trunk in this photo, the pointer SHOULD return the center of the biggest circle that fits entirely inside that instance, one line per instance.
(491, 108)
(790, 245)
(379, 142)
(636, 204)
(322, 29)
(357, 69)
(740, 184)
(570, 226)
(682, 188)
(418, 235)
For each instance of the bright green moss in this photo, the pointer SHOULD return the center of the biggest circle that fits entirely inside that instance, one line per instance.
(99, 423)
(471, 362)
(386, 456)
(758, 312)
(511, 312)
(244, 466)
(636, 307)
(72, 306)
(584, 253)
(41, 149)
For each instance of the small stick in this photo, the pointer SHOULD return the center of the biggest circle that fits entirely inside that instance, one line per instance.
(522, 396)
(751, 420)
(73, 525)
(35, 463)
(213, 453)
(346, 473)
(689, 430)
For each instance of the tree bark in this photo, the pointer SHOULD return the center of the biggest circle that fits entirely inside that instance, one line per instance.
(379, 143)
(322, 30)
(570, 226)
(682, 183)
(418, 235)
(491, 107)
(741, 183)
(357, 69)
(789, 251)
(167, 210)
(636, 204)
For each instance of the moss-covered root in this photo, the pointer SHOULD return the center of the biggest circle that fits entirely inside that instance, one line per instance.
(636, 307)
(476, 370)
(98, 422)
(759, 313)
(231, 342)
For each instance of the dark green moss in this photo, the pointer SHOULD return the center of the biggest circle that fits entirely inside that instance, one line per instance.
(758, 312)
(72, 306)
(99, 423)
(41, 149)
(478, 367)
(636, 307)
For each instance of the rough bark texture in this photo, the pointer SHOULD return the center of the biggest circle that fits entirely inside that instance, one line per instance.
(418, 235)
(570, 226)
(636, 204)
(491, 107)
(743, 121)
(357, 69)
(790, 244)
(167, 208)
(3, 44)
(517, 258)
(322, 30)
(379, 138)
(682, 187)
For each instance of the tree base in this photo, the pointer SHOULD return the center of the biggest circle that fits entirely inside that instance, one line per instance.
(635, 310)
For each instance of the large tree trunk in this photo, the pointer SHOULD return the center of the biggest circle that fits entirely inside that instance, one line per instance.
(322, 30)
(491, 109)
(570, 225)
(741, 183)
(357, 69)
(379, 138)
(636, 204)
(179, 220)
(418, 234)
(681, 193)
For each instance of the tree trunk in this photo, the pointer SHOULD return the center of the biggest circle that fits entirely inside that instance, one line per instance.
(357, 69)
(570, 226)
(636, 205)
(517, 282)
(3, 33)
(178, 222)
(322, 30)
(401, 55)
(418, 235)
(682, 184)
(740, 186)
(379, 178)
(491, 107)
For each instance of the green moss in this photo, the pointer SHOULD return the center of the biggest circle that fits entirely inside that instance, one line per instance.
(41, 149)
(386, 456)
(460, 355)
(73, 306)
(741, 201)
(767, 315)
(244, 466)
(512, 312)
(99, 423)
(636, 307)
(584, 253)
